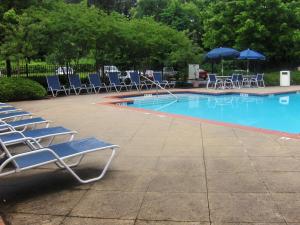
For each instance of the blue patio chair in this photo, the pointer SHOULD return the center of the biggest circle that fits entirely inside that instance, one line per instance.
(32, 122)
(58, 153)
(135, 79)
(76, 85)
(157, 78)
(14, 115)
(231, 82)
(95, 83)
(115, 81)
(258, 80)
(54, 86)
(214, 81)
(8, 109)
(243, 81)
(3, 105)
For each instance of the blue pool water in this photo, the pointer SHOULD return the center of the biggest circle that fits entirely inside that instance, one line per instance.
(272, 112)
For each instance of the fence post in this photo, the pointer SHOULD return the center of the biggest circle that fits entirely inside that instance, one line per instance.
(8, 67)
(26, 68)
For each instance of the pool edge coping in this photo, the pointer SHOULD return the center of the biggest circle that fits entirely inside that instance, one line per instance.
(119, 99)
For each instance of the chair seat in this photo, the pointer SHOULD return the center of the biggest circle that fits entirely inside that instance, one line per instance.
(7, 109)
(37, 134)
(63, 150)
(21, 123)
(14, 114)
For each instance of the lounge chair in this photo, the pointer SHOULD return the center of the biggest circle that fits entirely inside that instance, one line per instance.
(26, 122)
(136, 82)
(12, 135)
(54, 86)
(95, 83)
(214, 81)
(115, 81)
(157, 78)
(57, 154)
(8, 109)
(76, 85)
(2, 105)
(258, 80)
(14, 115)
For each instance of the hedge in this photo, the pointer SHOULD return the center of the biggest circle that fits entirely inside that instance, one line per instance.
(15, 89)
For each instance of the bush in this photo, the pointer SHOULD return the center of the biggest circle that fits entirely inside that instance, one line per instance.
(273, 78)
(13, 89)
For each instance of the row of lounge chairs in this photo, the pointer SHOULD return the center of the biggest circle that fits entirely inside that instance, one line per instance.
(235, 81)
(95, 84)
(20, 128)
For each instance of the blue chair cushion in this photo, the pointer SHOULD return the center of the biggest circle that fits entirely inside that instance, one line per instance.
(37, 134)
(20, 123)
(12, 114)
(7, 109)
(63, 150)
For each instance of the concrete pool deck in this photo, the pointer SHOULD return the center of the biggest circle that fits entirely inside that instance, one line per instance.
(169, 171)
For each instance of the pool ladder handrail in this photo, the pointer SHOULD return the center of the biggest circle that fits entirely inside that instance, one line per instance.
(158, 85)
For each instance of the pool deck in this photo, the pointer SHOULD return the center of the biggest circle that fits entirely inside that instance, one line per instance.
(169, 171)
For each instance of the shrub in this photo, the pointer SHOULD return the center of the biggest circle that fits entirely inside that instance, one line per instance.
(13, 89)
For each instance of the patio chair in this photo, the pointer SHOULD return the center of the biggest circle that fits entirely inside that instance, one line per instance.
(135, 79)
(95, 83)
(57, 154)
(214, 81)
(157, 78)
(258, 80)
(8, 109)
(54, 86)
(232, 81)
(14, 115)
(76, 85)
(3, 105)
(10, 136)
(243, 81)
(115, 81)
(26, 122)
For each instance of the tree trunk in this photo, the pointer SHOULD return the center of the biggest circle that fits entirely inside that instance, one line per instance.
(8, 68)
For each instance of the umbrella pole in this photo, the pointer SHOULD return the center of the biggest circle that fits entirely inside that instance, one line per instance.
(247, 66)
(222, 66)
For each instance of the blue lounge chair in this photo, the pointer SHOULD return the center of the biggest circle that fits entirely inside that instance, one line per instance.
(14, 115)
(54, 86)
(214, 81)
(57, 154)
(26, 123)
(2, 105)
(115, 81)
(12, 135)
(8, 109)
(76, 85)
(95, 83)
(157, 78)
(135, 79)
(258, 80)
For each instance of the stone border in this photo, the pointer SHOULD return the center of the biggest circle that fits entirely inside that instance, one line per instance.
(119, 99)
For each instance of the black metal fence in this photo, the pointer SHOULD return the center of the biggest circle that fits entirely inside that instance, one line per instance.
(44, 70)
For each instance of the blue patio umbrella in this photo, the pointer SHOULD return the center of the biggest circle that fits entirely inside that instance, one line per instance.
(222, 53)
(249, 54)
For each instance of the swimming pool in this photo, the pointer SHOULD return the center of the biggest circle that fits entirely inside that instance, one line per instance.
(271, 112)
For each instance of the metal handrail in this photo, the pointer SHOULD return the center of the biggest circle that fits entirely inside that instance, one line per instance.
(158, 85)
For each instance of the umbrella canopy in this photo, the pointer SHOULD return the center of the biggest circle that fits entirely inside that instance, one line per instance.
(222, 53)
(251, 55)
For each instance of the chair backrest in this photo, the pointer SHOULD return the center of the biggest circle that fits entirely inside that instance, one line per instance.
(74, 80)
(234, 77)
(53, 82)
(240, 77)
(95, 80)
(212, 77)
(135, 77)
(260, 76)
(114, 78)
(157, 76)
